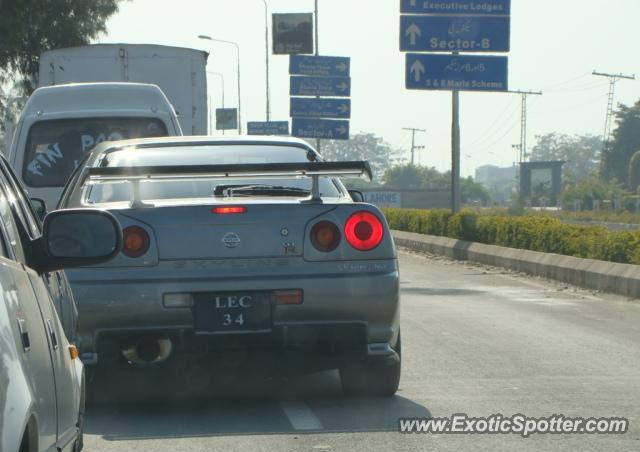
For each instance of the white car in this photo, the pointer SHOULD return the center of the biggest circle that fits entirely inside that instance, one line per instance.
(41, 377)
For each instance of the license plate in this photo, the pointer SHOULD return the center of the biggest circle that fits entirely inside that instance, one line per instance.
(232, 312)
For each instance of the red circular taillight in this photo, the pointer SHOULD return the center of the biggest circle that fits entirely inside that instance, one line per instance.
(364, 231)
(325, 236)
(135, 241)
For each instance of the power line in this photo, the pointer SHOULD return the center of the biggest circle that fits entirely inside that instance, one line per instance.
(613, 79)
(489, 132)
(414, 148)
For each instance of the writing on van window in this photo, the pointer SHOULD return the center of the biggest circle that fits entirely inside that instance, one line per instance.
(46, 158)
(88, 141)
(52, 153)
(55, 148)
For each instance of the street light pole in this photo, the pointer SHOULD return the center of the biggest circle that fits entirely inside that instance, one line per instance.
(317, 52)
(266, 48)
(235, 44)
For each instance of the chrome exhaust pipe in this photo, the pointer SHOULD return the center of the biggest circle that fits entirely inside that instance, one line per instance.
(148, 350)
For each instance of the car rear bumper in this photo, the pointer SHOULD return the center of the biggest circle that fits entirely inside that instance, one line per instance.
(347, 306)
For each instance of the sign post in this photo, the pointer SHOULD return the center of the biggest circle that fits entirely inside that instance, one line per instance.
(268, 128)
(456, 195)
(226, 118)
(320, 89)
(320, 108)
(470, 26)
(426, 71)
(292, 34)
(328, 129)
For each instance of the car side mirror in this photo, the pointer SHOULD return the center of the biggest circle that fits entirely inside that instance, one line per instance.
(76, 238)
(356, 195)
(40, 207)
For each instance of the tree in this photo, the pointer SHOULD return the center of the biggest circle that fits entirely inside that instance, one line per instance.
(415, 177)
(472, 191)
(30, 27)
(626, 141)
(582, 154)
(363, 146)
(424, 178)
(634, 172)
(589, 190)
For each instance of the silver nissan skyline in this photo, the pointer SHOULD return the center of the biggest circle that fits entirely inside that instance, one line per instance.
(238, 249)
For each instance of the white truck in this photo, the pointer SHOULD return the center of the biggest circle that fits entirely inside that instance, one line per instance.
(179, 72)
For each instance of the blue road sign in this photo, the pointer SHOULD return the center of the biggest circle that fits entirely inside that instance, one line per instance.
(268, 128)
(454, 33)
(303, 107)
(330, 129)
(463, 7)
(320, 66)
(456, 72)
(320, 86)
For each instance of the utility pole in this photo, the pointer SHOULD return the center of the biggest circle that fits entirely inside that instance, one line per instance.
(414, 148)
(523, 121)
(613, 79)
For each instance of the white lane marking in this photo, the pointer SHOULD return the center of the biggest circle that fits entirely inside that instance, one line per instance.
(300, 416)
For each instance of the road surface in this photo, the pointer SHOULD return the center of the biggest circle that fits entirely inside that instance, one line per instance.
(475, 340)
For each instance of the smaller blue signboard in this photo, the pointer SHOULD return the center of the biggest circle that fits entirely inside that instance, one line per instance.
(330, 129)
(456, 72)
(268, 128)
(319, 66)
(320, 86)
(462, 7)
(454, 34)
(303, 107)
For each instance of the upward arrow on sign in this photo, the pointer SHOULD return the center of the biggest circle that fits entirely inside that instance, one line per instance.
(413, 32)
(417, 69)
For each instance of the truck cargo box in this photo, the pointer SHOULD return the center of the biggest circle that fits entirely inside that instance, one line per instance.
(179, 72)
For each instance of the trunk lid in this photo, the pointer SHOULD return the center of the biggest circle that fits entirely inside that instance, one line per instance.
(190, 232)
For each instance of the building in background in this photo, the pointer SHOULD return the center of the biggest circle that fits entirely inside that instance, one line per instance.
(501, 182)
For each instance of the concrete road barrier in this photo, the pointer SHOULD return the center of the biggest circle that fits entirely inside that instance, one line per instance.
(621, 279)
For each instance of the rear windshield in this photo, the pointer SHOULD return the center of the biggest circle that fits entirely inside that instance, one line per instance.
(109, 192)
(54, 148)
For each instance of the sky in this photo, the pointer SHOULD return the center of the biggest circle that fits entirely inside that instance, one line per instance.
(555, 45)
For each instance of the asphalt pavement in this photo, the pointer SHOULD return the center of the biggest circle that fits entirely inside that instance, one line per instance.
(476, 340)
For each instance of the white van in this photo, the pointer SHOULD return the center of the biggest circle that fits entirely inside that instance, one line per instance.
(59, 124)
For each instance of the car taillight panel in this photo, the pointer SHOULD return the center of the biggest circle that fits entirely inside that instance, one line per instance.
(135, 241)
(364, 231)
(325, 236)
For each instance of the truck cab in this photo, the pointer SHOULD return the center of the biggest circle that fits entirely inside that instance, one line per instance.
(60, 124)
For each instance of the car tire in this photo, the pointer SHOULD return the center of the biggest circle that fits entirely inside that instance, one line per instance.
(372, 378)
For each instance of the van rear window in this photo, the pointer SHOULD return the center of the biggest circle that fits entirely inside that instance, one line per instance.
(54, 148)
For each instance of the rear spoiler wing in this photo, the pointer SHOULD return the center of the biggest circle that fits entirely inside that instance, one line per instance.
(314, 170)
